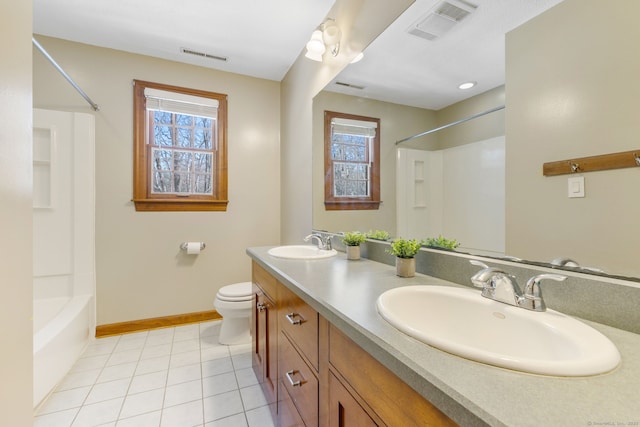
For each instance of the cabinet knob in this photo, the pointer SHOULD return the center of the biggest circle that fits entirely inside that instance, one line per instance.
(261, 306)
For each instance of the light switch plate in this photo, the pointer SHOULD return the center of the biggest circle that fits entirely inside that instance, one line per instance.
(576, 186)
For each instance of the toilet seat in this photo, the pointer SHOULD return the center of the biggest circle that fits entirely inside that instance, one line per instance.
(236, 292)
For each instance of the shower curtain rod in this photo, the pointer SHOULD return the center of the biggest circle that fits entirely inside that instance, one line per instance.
(65, 75)
(457, 122)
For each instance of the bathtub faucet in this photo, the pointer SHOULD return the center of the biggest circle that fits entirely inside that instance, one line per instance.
(324, 243)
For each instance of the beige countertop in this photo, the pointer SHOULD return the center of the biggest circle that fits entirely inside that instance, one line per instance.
(471, 393)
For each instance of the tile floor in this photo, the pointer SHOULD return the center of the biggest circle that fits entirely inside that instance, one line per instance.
(176, 377)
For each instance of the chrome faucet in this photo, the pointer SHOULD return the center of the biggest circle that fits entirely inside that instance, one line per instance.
(568, 262)
(500, 286)
(324, 243)
(496, 284)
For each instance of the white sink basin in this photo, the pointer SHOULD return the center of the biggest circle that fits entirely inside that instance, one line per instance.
(462, 322)
(301, 252)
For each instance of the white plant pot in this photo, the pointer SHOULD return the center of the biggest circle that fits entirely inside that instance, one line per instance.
(353, 252)
(405, 267)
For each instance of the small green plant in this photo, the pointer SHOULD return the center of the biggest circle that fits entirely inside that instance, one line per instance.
(440, 242)
(353, 238)
(403, 248)
(378, 235)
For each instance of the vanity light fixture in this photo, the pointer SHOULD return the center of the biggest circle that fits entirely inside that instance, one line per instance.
(328, 36)
(357, 58)
(315, 47)
(331, 35)
(466, 85)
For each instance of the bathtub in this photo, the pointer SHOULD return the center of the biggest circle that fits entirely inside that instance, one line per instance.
(62, 329)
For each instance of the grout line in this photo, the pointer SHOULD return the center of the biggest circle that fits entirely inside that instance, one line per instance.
(144, 343)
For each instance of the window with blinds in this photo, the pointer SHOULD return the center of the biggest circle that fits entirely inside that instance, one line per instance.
(180, 148)
(352, 165)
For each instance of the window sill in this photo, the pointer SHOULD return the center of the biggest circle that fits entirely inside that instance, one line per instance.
(351, 205)
(156, 205)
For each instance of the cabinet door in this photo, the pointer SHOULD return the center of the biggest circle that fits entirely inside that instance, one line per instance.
(265, 343)
(344, 410)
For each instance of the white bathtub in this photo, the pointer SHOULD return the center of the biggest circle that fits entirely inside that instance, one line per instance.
(62, 329)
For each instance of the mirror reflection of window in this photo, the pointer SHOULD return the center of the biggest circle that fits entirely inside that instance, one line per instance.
(352, 162)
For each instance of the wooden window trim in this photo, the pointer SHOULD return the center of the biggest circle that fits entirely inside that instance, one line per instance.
(143, 199)
(332, 203)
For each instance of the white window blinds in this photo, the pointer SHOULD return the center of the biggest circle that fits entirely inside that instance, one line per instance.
(354, 127)
(179, 103)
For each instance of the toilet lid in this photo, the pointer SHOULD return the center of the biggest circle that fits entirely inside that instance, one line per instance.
(235, 292)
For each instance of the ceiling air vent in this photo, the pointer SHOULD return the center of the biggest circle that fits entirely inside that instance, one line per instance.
(350, 85)
(441, 19)
(202, 54)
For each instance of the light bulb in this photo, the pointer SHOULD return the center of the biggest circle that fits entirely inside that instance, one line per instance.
(315, 46)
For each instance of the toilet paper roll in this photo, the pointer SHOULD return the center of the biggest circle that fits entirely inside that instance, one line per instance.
(193, 248)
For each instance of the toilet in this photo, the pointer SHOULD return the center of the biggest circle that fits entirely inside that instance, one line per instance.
(234, 303)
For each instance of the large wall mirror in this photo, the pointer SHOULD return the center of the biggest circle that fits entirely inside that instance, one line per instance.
(564, 98)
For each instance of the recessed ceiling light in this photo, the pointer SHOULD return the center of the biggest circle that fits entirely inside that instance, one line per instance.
(466, 85)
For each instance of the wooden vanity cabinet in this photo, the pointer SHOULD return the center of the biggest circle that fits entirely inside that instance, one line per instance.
(264, 333)
(313, 375)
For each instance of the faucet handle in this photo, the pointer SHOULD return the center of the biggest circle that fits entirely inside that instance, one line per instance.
(532, 296)
(486, 277)
(478, 263)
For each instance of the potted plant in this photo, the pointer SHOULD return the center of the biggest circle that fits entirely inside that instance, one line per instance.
(352, 242)
(440, 243)
(378, 235)
(405, 251)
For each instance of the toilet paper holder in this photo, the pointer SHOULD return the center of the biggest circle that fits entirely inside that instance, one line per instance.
(184, 245)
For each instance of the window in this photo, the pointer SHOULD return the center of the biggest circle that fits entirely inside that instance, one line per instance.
(351, 162)
(180, 156)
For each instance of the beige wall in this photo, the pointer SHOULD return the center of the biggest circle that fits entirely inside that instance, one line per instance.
(141, 272)
(396, 122)
(360, 21)
(572, 91)
(16, 325)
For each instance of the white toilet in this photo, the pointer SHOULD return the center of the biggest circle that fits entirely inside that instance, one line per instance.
(234, 304)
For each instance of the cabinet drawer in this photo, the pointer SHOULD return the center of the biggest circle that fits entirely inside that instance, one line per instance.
(266, 281)
(298, 380)
(300, 322)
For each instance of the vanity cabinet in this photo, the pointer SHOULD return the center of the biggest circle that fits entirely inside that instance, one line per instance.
(317, 377)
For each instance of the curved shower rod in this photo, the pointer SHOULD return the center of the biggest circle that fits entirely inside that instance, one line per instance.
(457, 122)
(64, 74)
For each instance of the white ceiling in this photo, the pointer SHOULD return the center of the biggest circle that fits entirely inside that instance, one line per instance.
(262, 38)
(401, 68)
